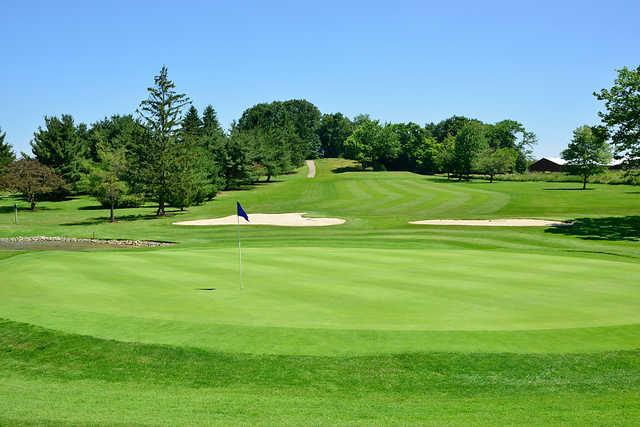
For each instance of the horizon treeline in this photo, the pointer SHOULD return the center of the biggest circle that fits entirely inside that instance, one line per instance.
(171, 153)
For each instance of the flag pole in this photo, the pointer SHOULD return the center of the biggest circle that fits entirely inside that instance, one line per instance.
(239, 250)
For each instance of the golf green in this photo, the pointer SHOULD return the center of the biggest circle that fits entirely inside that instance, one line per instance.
(189, 297)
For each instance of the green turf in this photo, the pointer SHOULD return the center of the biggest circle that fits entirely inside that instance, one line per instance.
(75, 379)
(372, 322)
(163, 296)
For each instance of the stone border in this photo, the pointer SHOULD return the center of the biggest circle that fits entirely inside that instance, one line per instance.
(72, 240)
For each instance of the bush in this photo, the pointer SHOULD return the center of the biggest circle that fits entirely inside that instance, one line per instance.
(608, 177)
(127, 201)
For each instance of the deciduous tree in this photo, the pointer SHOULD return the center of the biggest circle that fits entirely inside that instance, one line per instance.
(494, 161)
(470, 142)
(31, 179)
(622, 115)
(333, 131)
(587, 154)
(373, 145)
(446, 155)
(106, 177)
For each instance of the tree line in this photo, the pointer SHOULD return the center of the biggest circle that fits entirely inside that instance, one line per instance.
(169, 153)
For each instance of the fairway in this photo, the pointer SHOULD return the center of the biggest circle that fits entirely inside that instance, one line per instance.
(433, 309)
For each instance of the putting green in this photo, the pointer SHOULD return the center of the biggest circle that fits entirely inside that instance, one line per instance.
(307, 300)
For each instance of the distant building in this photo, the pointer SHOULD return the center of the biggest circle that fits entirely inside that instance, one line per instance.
(555, 164)
(547, 165)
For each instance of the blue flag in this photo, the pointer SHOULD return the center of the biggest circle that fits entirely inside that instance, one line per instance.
(241, 211)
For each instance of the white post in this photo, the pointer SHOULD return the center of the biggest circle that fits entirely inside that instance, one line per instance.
(239, 251)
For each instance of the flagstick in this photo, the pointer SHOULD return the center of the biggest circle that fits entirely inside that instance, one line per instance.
(239, 251)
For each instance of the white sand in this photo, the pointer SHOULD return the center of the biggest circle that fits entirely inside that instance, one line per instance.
(283, 220)
(513, 222)
(312, 169)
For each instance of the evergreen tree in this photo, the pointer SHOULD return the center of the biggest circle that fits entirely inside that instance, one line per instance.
(114, 133)
(271, 153)
(161, 113)
(190, 184)
(236, 159)
(62, 146)
(192, 125)
(6, 153)
(210, 125)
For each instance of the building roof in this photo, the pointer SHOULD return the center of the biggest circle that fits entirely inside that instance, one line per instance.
(556, 160)
(559, 161)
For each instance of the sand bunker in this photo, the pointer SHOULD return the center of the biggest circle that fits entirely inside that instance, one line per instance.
(283, 220)
(512, 222)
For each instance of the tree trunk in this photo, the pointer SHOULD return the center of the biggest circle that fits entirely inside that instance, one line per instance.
(112, 213)
(161, 211)
(491, 179)
(268, 178)
(584, 182)
(33, 204)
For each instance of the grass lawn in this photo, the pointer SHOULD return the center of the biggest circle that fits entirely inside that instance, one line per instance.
(372, 322)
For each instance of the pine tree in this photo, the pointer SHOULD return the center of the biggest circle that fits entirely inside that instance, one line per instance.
(210, 125)
(192, 125)
(161, 113)
(62, 146)
(190, 183)
(6, 153)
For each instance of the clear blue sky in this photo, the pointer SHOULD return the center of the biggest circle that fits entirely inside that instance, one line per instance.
(537, 63)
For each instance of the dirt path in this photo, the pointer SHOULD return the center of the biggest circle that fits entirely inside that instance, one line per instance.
(312, 169)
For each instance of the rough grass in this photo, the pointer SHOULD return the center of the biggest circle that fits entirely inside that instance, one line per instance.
(71, 378)
(372, 322)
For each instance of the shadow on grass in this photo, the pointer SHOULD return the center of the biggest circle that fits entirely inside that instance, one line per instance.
(568, 189)
(10, 209)
(609, 228)
(344, 169)
(105, 219)
(438, 179)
